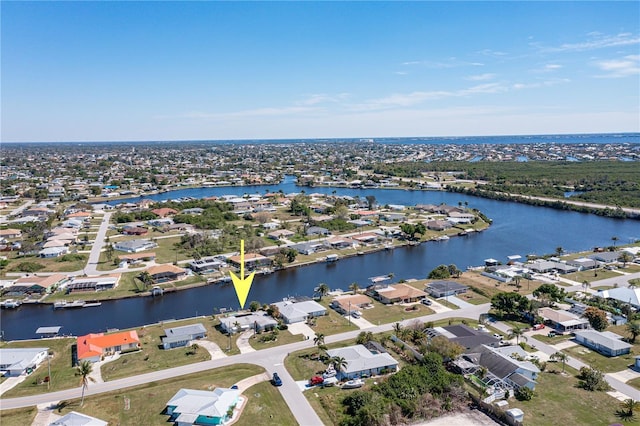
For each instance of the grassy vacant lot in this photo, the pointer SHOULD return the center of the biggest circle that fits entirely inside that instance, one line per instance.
(558, 401)
(383, 314)
(590, 276)
(603, 363)
(62, 372)
(635, 383)
(221, 339)
(284, 337)
(56, 264)
(18, 416)
(552, 340)
(332, 323)
(152, 357)
(147, 402)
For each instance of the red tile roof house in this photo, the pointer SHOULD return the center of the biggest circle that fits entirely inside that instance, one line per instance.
(164, 212)
(93, 347)
(10, 233)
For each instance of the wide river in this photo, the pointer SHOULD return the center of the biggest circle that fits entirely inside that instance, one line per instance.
(517, 229)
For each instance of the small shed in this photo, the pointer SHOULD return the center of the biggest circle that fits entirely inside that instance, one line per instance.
(516, 414)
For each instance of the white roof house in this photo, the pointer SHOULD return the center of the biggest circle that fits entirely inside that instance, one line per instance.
(17, 361)
(363, 362)
(293, 312)
(605, 342)
(260, 321)
(188, 406)
(134, 246)
(78, 419)
(623, 294)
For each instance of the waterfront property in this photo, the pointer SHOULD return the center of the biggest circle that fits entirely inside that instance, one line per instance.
(35, 284)
(445, 288)
(363, 362)
(258, 321)
(166, 273)
(181, 336)
(135, 258)
(198, 407)
(251, 261)
(78, 419)
(206, 265)
(17, 361)
(605, 342)
(563, 321)
(623, 294)
(93, 347)
(292, 312)
(97, 283)
(345, 304)
(398, 293)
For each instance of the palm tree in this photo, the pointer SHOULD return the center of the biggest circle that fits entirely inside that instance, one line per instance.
(397, 329)
(634, 329)
(628, 405)
(339, 362)
(84, 370)
(625, 257)
(614, 239)
(323, 290)
(318, 340)
(518, 333)
(559, 251)
(560, 356)
(586, 284)
(354, 287)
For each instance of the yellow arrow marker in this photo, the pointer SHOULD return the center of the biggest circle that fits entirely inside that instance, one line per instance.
(242, 284)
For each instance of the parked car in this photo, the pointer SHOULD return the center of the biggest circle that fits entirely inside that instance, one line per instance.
(316, 380)
(426, 302)
(552, 334)
(356, 314)
(496, 335)
(275, 380)
(538, 326)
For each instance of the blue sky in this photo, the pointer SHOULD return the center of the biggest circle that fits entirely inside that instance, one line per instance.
(99, 71)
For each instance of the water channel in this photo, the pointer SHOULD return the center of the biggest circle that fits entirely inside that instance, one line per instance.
(517, 229)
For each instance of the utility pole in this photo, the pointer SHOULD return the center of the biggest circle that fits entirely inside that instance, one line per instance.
(49, 368)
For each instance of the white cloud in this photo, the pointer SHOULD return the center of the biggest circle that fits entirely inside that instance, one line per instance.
(535, 85)
(617, 68)
(253, 113)
(481, 77)
(320, 98)
(552, 67)
(596, 41)
(491, 52)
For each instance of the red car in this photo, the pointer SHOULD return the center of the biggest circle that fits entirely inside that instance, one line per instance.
(538, 326)
(316, 380)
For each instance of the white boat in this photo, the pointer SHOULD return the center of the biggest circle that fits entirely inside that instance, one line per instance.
(331, 258)
(10, 304)
(353, 384)
(91, 304)
(63, 304)
(442, 238)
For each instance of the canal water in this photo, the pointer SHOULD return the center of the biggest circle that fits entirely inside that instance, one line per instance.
(517, 229)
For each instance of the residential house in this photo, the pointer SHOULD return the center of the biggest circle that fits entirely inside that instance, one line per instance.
(438, 225)
(366, 237)
(363, 362)
(308, 247)
(280, 234)
(292, 312)
(36, 284)
(606, 256)
(583, 263)
(622, 294)
(339, 243)
(51, 252)
(206, 265)
(605, 342)
(176, 337)
(398, 293)
(78, 419)
(10, 233)
(194, 211)
(17, 361)
(134, 246)
(198, 407)
(96, 283)
(166, 272)
(134, 258)
(465, 336)
(256, 321)
(317, 230)
(460, 217)
(563, 321)
(164, 212)
(439, 289)
(348, 303)
(251, 261)
(134, 230)
(507, 367)
(93, 347)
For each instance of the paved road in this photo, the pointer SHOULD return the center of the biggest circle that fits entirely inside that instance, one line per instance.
(98, 244)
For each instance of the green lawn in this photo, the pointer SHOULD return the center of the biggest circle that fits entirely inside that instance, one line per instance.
(62, 372)
(151, 357)
(603, 363)
(147, 402)
(558, 401)
(332, 323)
(284, 337)
(18, 416)
(552, 340)
(590, 276)
(384, 314)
